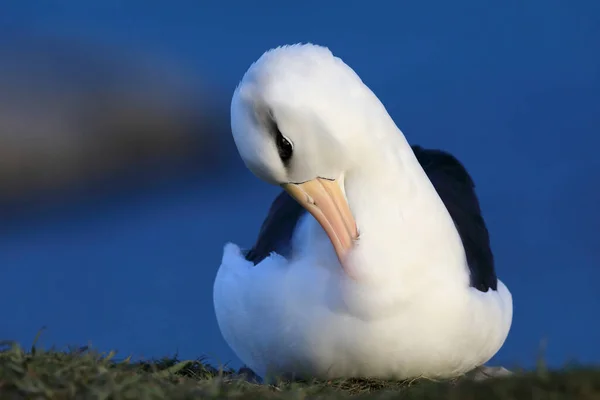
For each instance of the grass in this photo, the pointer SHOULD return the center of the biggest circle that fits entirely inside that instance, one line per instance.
(86, 374)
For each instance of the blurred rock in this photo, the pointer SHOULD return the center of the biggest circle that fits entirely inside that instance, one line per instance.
(71, 114)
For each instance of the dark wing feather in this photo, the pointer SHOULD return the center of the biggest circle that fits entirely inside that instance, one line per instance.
(457, 190)
(452, 183)
(277, 229)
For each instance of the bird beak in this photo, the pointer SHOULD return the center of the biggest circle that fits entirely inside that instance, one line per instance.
(326, 202)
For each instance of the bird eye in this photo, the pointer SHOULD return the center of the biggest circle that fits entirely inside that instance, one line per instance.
(284, 147)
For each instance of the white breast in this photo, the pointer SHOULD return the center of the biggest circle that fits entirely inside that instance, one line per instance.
(282, 318)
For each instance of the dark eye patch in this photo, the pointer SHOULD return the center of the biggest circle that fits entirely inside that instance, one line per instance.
(284, 147)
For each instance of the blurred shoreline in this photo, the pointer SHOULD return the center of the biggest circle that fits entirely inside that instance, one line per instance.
(90, 119)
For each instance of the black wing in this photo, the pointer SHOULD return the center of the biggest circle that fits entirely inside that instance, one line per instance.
(452, 183)
(457, 190)
(277, 229)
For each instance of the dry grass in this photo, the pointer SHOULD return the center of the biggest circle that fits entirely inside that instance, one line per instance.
(86, 374)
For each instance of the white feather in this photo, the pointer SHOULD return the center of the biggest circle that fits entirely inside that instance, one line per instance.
(411, 312)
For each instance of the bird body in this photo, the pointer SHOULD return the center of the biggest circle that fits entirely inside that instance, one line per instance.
(375, 260)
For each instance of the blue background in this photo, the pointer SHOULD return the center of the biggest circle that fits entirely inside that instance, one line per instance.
(512, 88)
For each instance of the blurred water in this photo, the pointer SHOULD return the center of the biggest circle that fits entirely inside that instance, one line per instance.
(513, 91)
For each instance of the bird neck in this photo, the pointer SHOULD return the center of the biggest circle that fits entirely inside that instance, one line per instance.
(403, 224)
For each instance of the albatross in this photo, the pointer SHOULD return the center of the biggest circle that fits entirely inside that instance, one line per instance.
(374, 260)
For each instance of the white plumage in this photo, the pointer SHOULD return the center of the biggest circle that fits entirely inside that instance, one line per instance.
(399, 304)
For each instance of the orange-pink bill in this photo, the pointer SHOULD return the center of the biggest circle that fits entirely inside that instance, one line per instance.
(325, 200)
